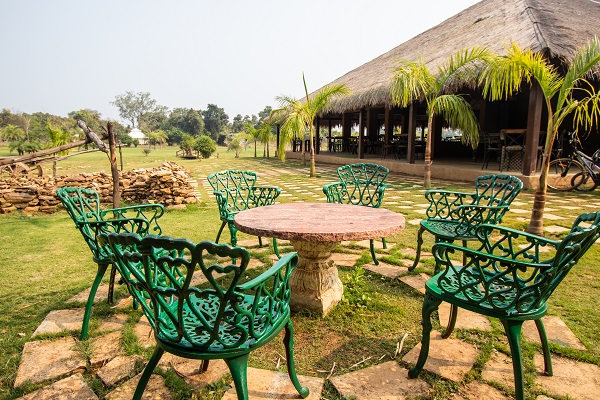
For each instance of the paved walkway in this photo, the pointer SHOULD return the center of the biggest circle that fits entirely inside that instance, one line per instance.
(58, 365)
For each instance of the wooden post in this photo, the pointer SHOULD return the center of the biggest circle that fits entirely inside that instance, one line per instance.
(412, 133)
(346, 131)
(112, 156)
(277, 147)
(361, 135)
(532, 138)
(388, 126)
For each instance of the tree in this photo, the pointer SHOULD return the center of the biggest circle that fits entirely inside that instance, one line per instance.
(413, 82)
(237, 142)
(572, 93)
(12, 133)
(57, 137)
(187, 144)
(205, 146)
(133, 106)
(186, 120)
(156, 138)
(265, 113)
(92, 118)
(299, 117)
(215, 120)
(253, 133)
(237, 125)
(265, 134)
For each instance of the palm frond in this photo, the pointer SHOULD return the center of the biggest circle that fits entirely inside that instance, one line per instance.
(411, 82)
(458, 113)
(587, 110)
(464, 68)
(584, 63)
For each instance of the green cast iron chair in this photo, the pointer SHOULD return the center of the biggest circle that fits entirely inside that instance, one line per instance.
(360, 184)
(83, 206)
(236, 191)
(508, 279)
(455, 215)
(226, 320)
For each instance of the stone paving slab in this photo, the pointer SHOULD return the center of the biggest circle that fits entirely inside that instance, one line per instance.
(579, 381)
(385, 269)
(465, 319)
(144, 333)
(48, 359)
(101, 295)
(556, 229)
(384, 381)
(417, 282)
(477, 391)
(377, 243)
(105, 348)
(557, 331)
(155, 390)
(264, 384)
(113, 323)
(71, 388)
(117, 369)
(188, 369)
(449, 358)
(60, 320)
(345, 259)
(499, 369)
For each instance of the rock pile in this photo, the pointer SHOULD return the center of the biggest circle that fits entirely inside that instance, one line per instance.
(169, 184)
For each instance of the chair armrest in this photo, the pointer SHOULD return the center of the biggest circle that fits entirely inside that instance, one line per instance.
(335, 192)
(149, 212)
(289, 259)
(263, 195)
(511, 243)
(91, 231)
(442, 203)
(226, 211)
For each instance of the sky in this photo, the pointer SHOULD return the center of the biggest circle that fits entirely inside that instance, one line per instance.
(65, 55)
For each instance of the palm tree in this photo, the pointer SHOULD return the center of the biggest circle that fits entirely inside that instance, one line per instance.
(299, 117)
(253, 133)
(413, 82)
(266, 135)
(572, 92)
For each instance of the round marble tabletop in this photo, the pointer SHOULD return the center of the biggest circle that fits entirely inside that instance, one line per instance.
(319, 222)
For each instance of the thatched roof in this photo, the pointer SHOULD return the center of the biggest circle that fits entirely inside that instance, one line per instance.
(556, 27)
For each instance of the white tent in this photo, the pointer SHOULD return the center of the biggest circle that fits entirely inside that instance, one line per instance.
(135, 133)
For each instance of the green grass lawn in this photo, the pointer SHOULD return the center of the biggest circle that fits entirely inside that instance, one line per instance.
(44, 262)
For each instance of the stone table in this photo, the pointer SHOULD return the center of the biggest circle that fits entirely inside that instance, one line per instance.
(314, 229)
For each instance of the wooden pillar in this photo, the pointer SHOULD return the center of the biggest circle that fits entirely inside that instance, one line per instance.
(346, 130)
(388, 126)
(412, 133)
(317, 139)
(329, 143)
(361, 137)
(532, 138)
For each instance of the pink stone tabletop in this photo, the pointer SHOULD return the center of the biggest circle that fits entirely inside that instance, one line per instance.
(319, 222)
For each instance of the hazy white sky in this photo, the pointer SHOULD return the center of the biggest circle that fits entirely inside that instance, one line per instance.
(64, 55)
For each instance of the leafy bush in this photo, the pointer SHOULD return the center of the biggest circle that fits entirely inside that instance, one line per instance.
(205, 146)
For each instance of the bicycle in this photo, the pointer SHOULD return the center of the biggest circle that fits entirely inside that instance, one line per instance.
(578, 171)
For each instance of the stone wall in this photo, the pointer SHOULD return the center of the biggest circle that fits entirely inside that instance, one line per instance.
(168, 184)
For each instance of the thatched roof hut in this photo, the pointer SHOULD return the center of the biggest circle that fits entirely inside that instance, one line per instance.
(555, 27)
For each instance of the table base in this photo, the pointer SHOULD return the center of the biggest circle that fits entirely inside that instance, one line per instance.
(315, 283)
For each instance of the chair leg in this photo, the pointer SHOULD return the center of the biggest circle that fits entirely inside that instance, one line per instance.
(288, 341)
(545, 347)
(451, 321)
(373, 255)
(203, 366)
(220, 231)
(260, 242)
(111, 285)
(419, 243)
(513, 332)
(139, 390)
(90, 301)
(233, 233)
(238, 367)
(275, 248)
(384, 243)
(430, 304)
(464, 244)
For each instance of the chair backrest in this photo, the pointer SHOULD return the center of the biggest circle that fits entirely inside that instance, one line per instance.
(232, 179)
(494, 190)
(158, 271)
(364, 183)
(83, 206)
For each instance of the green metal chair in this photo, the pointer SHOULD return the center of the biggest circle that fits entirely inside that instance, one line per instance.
(226, 320)
(456, 215)
(236, 191)
(505, 279)
(83, 206)
(360, 184)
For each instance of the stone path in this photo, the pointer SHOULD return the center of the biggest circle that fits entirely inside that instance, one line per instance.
(61, 362)
(58, 366)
